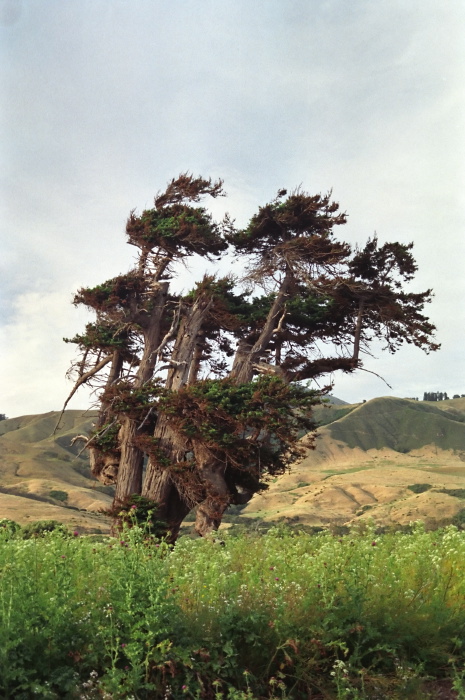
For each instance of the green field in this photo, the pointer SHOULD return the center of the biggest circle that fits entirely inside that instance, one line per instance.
(283, 615)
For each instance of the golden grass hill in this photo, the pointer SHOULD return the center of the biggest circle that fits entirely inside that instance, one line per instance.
(390, 460)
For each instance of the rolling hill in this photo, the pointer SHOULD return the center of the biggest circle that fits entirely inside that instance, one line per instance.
(391, 460)
(43, 477)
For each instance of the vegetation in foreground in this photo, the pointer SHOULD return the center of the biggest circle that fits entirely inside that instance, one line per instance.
(280, 615)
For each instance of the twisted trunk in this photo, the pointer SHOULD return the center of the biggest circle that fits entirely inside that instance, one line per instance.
(104, 465)
(158, 483)
(218, 497)
(132, 458)
(159, 486)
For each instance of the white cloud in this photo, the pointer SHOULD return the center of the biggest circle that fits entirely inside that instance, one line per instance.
(34, 358)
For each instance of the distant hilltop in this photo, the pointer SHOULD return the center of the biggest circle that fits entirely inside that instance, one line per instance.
(334, 401)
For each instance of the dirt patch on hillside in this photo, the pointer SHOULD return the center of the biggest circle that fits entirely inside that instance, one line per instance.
(25, 511)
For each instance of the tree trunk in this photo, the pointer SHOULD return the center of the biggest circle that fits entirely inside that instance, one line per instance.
(210, 510)
(129, 480)
(104, 465)
(199, 350)
(184, 346)
(246, 356)
(158, 484)
(131, 463)
(358, 329)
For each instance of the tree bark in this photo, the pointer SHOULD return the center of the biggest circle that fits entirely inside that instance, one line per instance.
(132, 458)
(199, 349)
(104, 465)
(184, 346)
(158, 485)
(358, 330)
(246, 356)
(210, 510)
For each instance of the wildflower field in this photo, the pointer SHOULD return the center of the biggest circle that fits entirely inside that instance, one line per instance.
(278, 615)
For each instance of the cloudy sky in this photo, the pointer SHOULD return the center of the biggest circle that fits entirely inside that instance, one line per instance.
(103, 101)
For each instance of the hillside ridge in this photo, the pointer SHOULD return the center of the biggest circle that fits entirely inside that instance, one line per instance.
(43, 476)
(389, 459)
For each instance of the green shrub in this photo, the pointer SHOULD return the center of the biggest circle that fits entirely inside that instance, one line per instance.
(459, 519)
(8, 528)
(139, 512)
(457, 493)
(419, 488)
(59, 495)
(41, 527)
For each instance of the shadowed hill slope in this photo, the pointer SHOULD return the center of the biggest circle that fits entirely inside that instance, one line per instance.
(401, 425)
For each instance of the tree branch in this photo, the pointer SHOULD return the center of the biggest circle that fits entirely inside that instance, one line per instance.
(171, 331)
(82, 380)
(95, 435)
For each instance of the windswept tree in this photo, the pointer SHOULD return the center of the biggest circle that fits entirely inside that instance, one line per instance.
(206, 388)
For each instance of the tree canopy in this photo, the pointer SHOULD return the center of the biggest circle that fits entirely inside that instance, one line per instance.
(206, 388)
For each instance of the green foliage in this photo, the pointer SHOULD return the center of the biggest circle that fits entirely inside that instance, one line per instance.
(39, 528)
(230, 310)
(8, 528)
(59, 495)
(234, 419)
(133, 401)
(114, 293)
(105, 336)
(299, 216)
(138, 511)
(459, 519)
(457, 493)
(177, 229)
(107, 437)
(437, 396)
(280, 615)
(419, 488)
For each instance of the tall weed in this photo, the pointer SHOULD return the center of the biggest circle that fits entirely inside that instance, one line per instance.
(281, 615)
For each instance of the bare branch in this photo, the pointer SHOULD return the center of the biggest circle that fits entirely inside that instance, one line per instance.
(78, 437)
(376, 375)
(98, 434)
(280, 323)
(82, 380)
(150, 411)
(172, 330)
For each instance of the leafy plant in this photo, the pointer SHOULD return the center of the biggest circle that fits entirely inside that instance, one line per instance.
(59, 495)
(278, 615)
(42, 527)
(419, 488)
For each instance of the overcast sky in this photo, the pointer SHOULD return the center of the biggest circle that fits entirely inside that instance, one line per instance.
(104, 101)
